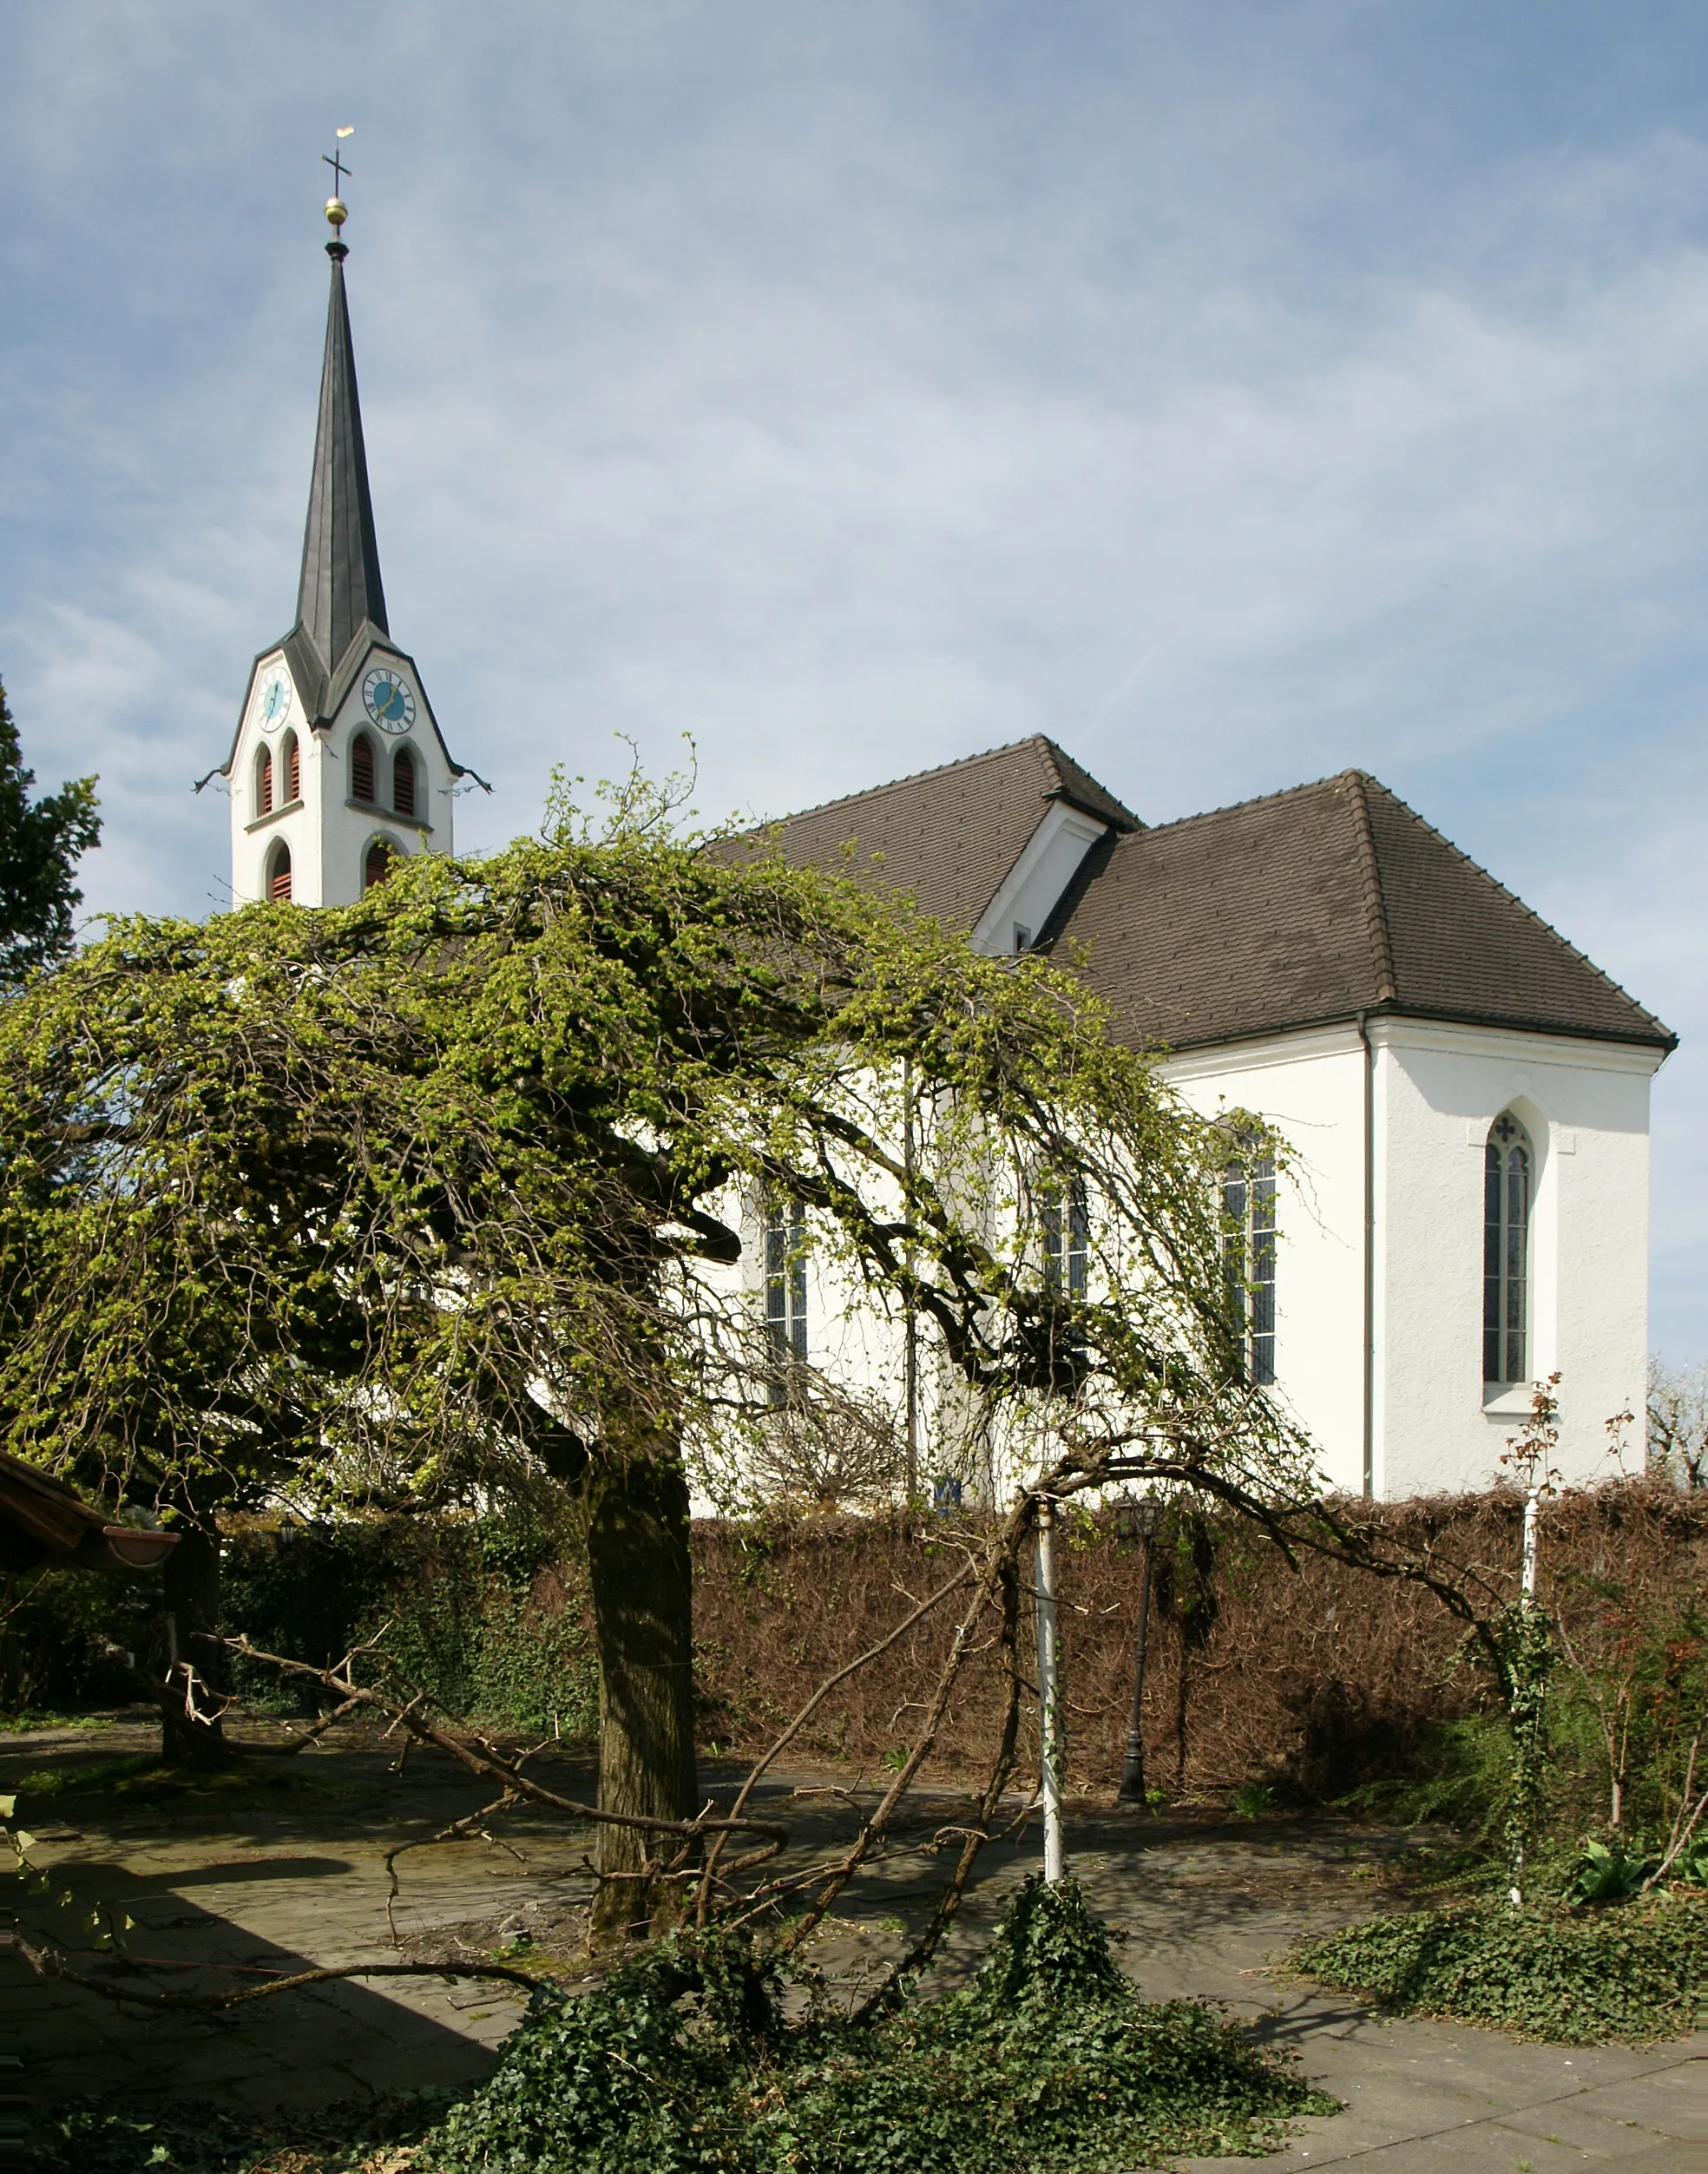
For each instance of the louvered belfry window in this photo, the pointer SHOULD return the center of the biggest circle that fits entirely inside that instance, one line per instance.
(402, 782)
(1508, 1167)
(361, 770)
(279, 875)
(264, 782)
(292, 753)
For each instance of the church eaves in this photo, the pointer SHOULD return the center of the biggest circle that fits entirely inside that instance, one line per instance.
(340, 589)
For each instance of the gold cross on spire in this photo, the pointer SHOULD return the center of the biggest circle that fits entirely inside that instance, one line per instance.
(336, 214)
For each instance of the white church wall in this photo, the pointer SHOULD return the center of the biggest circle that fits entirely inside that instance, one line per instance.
(1311, 1086)
(1585, 1106)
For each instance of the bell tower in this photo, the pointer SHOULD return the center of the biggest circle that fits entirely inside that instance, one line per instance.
(337, 767)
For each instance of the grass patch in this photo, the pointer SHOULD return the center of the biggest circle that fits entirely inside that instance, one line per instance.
(144, 1778)
(1625, 1973)
(31, 1719)
(194, 2137)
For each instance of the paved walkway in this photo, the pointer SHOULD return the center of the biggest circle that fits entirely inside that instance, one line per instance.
(288, 1870)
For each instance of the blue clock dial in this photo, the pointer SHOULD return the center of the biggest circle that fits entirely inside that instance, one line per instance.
(275, 701)
(386, 696)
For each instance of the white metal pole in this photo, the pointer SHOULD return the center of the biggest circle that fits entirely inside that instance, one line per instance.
(1528, 1571)
(1049, 1695)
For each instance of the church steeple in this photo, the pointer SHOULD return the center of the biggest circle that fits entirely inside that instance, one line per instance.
(338, 769)
(340, 585)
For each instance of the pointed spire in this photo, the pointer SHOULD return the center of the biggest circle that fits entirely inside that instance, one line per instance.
(340, 563)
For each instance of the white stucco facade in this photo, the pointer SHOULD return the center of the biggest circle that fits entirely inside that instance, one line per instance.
(328, 827)
(1434, 1091)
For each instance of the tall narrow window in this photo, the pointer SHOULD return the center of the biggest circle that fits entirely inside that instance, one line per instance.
(1248, 1209)
(1062, 1214)
(1508, 1163)
(377, 863)
(402, 782)
(290, 761)
(786, 1288)
(264, 782)
(361, 770)
(279, 874)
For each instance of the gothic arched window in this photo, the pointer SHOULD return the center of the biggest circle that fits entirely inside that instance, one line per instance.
(290, 761)
(1509, 1166)
(402, 782)
(279, 874)
(361, 770)
(1248, 1257)
(376, 863)
(264, 782)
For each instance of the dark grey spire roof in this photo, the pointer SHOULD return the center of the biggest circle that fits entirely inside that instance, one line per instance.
(340, 563)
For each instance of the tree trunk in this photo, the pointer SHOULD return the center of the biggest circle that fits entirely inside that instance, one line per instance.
(191, 1732)
(637, 1546)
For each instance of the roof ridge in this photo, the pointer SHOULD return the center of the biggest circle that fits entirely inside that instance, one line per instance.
(1375, 904)
(1547, 927)
(910, 777)
(1257, 800)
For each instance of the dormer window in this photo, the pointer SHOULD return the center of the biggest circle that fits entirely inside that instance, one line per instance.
(361, 770)
(264, 782)
(290, 761)
(402, 782)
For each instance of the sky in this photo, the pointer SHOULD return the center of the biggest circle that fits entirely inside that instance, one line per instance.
(1236, 391)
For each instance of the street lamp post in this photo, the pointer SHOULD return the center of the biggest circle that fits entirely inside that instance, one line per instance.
(1135, 1518)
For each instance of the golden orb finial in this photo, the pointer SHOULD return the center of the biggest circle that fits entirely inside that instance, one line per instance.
(336, 213)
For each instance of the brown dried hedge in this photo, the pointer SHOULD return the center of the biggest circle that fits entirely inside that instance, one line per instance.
(1321, 1675)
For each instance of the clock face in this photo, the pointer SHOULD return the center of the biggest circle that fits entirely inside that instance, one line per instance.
(388, 699)
(275, 705)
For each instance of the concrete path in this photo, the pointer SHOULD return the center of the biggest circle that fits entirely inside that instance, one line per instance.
(288, 1870)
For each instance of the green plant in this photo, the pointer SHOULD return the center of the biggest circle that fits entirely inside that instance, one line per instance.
(1608, 1873)
(1630, 1971)
(1253, 1800)
(687, 2060)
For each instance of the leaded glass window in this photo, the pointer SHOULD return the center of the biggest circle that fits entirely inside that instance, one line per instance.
(786, 1288)
(1509, 1165)
(1248, 1209)
(1066, 1233)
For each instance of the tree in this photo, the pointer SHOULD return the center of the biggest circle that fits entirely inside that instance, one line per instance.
(1678, 1423)
(448, 1186)
(40, 846)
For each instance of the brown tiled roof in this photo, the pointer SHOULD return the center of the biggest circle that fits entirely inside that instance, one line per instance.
(949, 836)
(1313, 905)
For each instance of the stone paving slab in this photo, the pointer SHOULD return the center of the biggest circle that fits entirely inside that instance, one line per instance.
(293, 1875)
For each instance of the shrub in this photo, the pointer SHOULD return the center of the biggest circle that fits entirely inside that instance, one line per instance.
(1629, 1972)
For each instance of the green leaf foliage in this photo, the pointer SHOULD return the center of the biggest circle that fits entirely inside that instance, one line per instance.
(1630, 1972)
(41, 842)
(436, 1190)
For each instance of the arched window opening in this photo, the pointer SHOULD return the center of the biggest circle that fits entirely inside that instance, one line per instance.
(1066, 1230)
(290, 761)
(1248, 1259)
(1509, 1165)
(264, 782)
(785, 1290)
(361, 770)
(377, 865)
(402, 782)
(279, 875)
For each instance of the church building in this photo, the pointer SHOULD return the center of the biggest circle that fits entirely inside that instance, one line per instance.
(1465, 1096)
